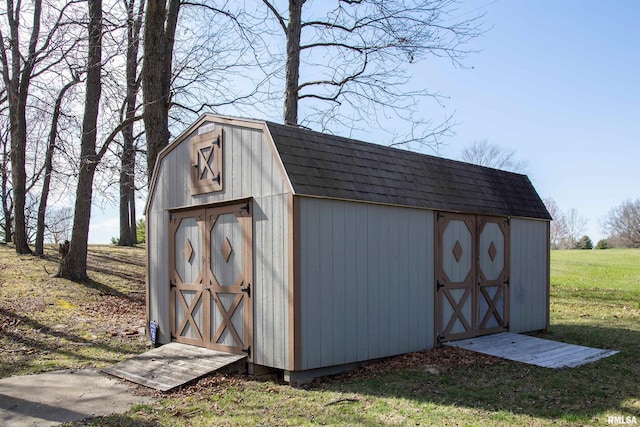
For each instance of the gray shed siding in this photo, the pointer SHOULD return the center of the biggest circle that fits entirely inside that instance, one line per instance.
(529, 282)
(366, 281)
(250, 169)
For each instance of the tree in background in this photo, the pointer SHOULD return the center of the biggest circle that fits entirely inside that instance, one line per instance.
(74, 265)
(5, 186)
(603, 244)
(349, 61)
(623, 224)
(59, 222)
(20, 63)
(558, 229)
(584, 243)
(576, 225)
(48, 162)
(127, 188)
(484, 153)
(141, 230)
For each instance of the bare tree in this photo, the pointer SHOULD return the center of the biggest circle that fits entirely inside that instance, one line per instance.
(576, 226)
(16, 74)
(223, 66)
(128, 160)
(159, 36)
(59, 222)
(48, 163)
(74, 264)
(5, 186)
(207, 68)
(349, 61)
(20, 63)
(558, 229)
(484, 153)
(623, 224)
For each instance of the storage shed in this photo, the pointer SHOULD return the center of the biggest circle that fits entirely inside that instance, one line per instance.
(308, 252)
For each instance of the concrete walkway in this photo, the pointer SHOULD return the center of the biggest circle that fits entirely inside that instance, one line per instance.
(52, 398)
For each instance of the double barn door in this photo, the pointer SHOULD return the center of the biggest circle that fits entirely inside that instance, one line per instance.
(210, 271)
(472, 275)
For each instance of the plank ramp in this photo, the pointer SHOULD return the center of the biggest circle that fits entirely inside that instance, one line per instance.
(532, 350)
(172, 365)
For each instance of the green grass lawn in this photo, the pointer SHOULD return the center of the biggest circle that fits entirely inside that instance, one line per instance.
(49, 324)
(595, 297)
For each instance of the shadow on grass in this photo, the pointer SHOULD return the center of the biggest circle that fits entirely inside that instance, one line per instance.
(118, 265)
(585, 394)
(118, 257)
(113, 420)
(110, 290)
(18, 336)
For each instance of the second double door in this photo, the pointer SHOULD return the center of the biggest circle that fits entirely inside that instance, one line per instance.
(472, 275)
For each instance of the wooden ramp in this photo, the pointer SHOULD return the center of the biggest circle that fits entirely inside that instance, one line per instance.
(171, 365)
(532, 350)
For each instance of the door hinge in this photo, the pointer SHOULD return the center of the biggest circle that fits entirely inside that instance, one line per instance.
(506, 282)
(171, 284)
(247, 350)
(439, 216)
(507, 222)
(247, 290)
(216, 178)
(439, 284)
(246, 208)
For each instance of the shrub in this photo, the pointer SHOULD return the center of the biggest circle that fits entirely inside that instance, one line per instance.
(140, 231)
(584, 243)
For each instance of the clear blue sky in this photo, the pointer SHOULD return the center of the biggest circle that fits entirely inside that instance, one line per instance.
(557, 81)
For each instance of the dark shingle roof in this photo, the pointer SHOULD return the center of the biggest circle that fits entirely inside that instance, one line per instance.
(330, 166)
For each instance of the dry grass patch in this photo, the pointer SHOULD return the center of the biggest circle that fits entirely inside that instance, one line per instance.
(49, 323)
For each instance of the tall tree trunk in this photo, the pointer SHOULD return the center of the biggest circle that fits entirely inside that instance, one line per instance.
(127, 171)
(7, 206)
(127, 186)
(48, 166)
(17, 86)
(74, 264)
(293, 30)
(18, 173)
(159, 35)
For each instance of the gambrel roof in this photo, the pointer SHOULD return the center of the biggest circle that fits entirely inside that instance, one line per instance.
(323, 165)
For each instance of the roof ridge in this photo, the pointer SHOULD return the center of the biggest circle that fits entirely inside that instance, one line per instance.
(351, 141)
(334, 166)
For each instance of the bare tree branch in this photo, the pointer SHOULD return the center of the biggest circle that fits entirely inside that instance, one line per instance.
(484, 153)
(354, 71)
(623, 224)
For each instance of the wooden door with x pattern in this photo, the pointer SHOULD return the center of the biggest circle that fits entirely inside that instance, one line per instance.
(472, 275)
(211, 274)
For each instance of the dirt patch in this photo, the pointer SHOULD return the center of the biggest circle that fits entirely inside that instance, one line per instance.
(434, 362)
